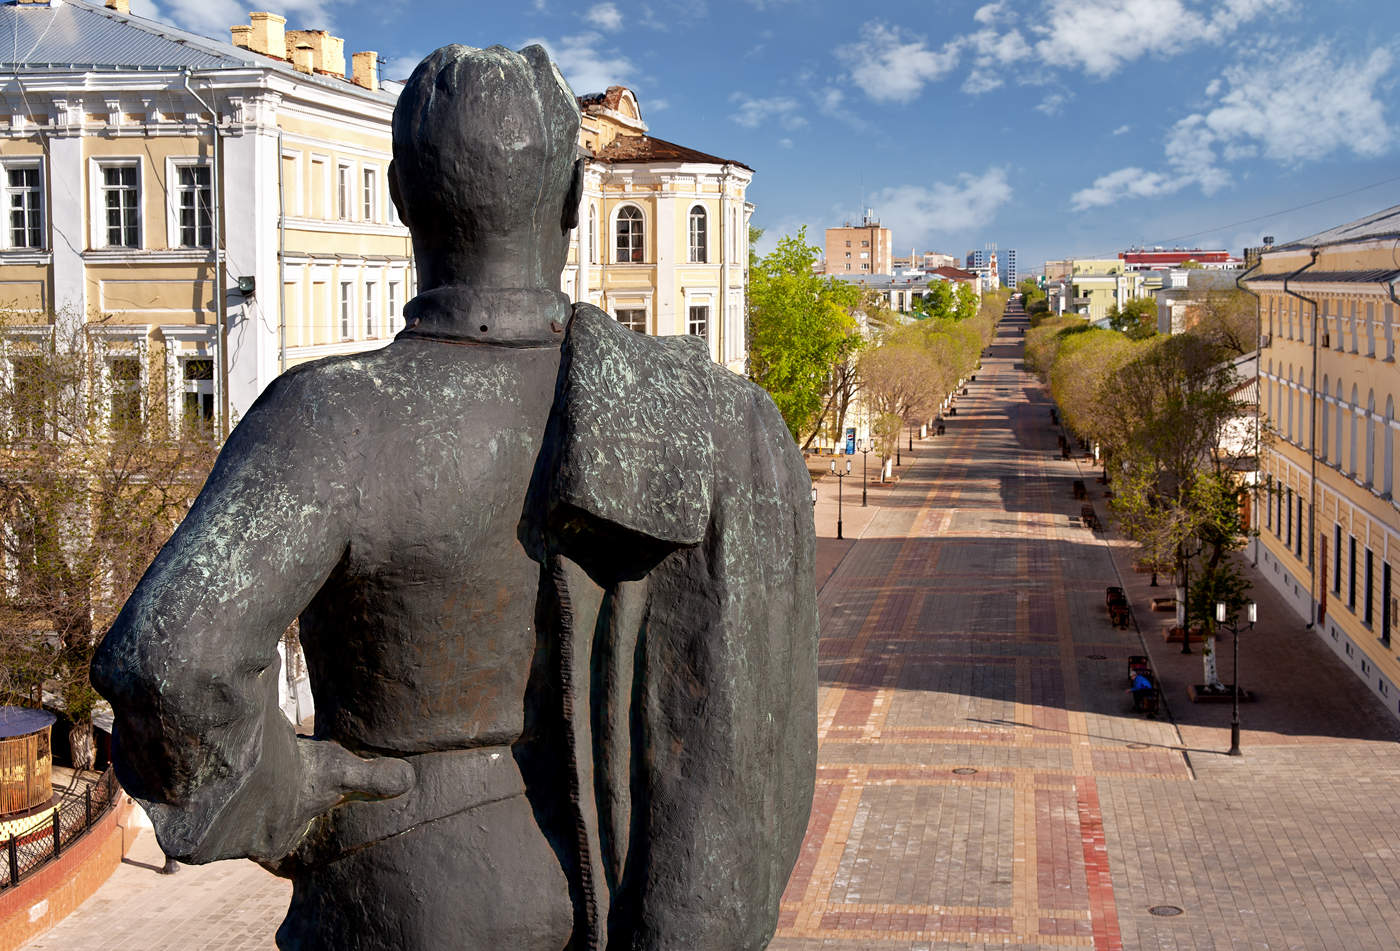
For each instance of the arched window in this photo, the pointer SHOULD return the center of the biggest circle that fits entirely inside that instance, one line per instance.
(1371, 438)
(1269, 384)
(1325, 453)
(1271, 318)
(1388, 465)
(1390, 331)
(592, 233)
(1337, 413)
(1370, 329)
(699, 236)
(1351, 468)
(1288, 395)
(631, 235)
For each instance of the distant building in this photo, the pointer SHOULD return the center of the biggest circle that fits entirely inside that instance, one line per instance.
(1093, 287)
(1182, 290)
(902, 292)
(1161, 259)
(1329, 541)
(866, 248)
(1009, 276)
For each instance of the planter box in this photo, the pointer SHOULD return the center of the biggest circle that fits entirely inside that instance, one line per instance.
(1172, 635)
(1199, 694)
(1164, 604)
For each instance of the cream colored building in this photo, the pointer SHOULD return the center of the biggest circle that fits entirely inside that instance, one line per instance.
(663, 236)
(1094, 286)
(860, 250)
(1329, 537)
(219, 212)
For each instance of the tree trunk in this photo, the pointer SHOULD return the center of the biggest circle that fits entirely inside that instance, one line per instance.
(80, 745)
(1212, 675)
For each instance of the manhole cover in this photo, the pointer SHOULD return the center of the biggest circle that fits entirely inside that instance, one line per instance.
(1098, 657)
(1164, 911)
(1139, 746)
(964, 770)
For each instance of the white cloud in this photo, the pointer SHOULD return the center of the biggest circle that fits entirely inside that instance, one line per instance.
(1123, 130)
(401, 67)
(753, 113)
(587, 68)
(1053, 103)
(1285, 105)
(214, 17)
(915, 213)
(658, 105)
(605, 16)
(980, 81)
(1101, 36)
(892, 65)
(1129, 182)
(785, 143)
(990, 13)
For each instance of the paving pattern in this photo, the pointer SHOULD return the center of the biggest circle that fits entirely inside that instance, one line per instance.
(982, 782)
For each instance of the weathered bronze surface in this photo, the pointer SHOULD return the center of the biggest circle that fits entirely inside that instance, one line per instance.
(555, 583)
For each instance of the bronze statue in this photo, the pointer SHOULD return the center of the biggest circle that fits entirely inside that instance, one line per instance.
(555, 585)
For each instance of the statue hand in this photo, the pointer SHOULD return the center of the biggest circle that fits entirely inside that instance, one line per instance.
(331, 774)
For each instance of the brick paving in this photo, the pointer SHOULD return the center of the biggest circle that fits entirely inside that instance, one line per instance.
(982, 782)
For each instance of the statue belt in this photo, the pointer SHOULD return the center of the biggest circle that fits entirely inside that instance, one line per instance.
(449, 782)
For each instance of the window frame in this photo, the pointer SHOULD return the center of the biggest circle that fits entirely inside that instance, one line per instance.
(703, 322)
(198, 387)
(697, 238)
(100, 229)
(344, 185)
(368, 307)
(347, 310)
(637, 242)
(631, 322)
(369, 193)
(7, 193)
(175, 192)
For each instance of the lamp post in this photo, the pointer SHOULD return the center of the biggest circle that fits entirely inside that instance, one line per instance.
(1252, 614)
(840, 477)
(864, 464)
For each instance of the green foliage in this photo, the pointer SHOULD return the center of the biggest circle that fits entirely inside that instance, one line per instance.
(800, 328)
(1137, 318)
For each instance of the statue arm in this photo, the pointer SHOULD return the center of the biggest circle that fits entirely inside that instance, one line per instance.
(191, 664)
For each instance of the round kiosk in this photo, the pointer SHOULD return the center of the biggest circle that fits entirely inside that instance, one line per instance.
(26, 760)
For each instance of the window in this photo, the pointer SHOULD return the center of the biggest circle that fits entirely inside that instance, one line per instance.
(865, 267)
(631, 235)
(1288, 509)
(699, 322)
(195, 207)
(342, 192)
(592, 234)
(121, 198)
(1337, 559)
(1366, 604)
(316, 207)
(1370, 329)
(347, 306)
(1298, 535)
(291, 183)
(391, 305)
(124, 399)
(1370, 467)
(698, 240)
(31, 390)
(369, 310)
(371, 194)
(199, 392)
(23, 201)
(633, 318)
(865, 244)
(1351, 572)
(1387, 610)
(1354, 423)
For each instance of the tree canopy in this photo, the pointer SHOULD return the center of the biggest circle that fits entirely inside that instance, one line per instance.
(800, 328)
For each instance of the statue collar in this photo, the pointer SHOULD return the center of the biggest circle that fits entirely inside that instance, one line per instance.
(506, 316)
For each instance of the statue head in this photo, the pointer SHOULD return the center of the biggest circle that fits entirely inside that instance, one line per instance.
(486, 172)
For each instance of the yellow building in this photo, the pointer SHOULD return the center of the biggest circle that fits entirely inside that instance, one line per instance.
(214, 213)
(663, 236)
(1330, 528)
(860, 250)
(1093, 287)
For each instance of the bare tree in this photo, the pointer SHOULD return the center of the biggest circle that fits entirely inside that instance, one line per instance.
(94, 477)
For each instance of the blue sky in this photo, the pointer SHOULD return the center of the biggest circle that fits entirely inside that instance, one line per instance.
(1055, 127)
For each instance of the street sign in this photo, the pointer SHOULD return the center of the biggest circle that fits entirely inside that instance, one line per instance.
(850, 440)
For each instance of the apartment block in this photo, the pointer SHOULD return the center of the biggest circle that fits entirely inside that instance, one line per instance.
(860, 250)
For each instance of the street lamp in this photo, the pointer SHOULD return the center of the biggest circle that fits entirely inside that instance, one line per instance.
(840, 477)
(864, 463)
(814, 498)
(1252, 614)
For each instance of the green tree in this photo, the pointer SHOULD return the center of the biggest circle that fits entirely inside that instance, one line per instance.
(801, 328)
(1177, 491)
(1226, 317)
(1137, 318)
